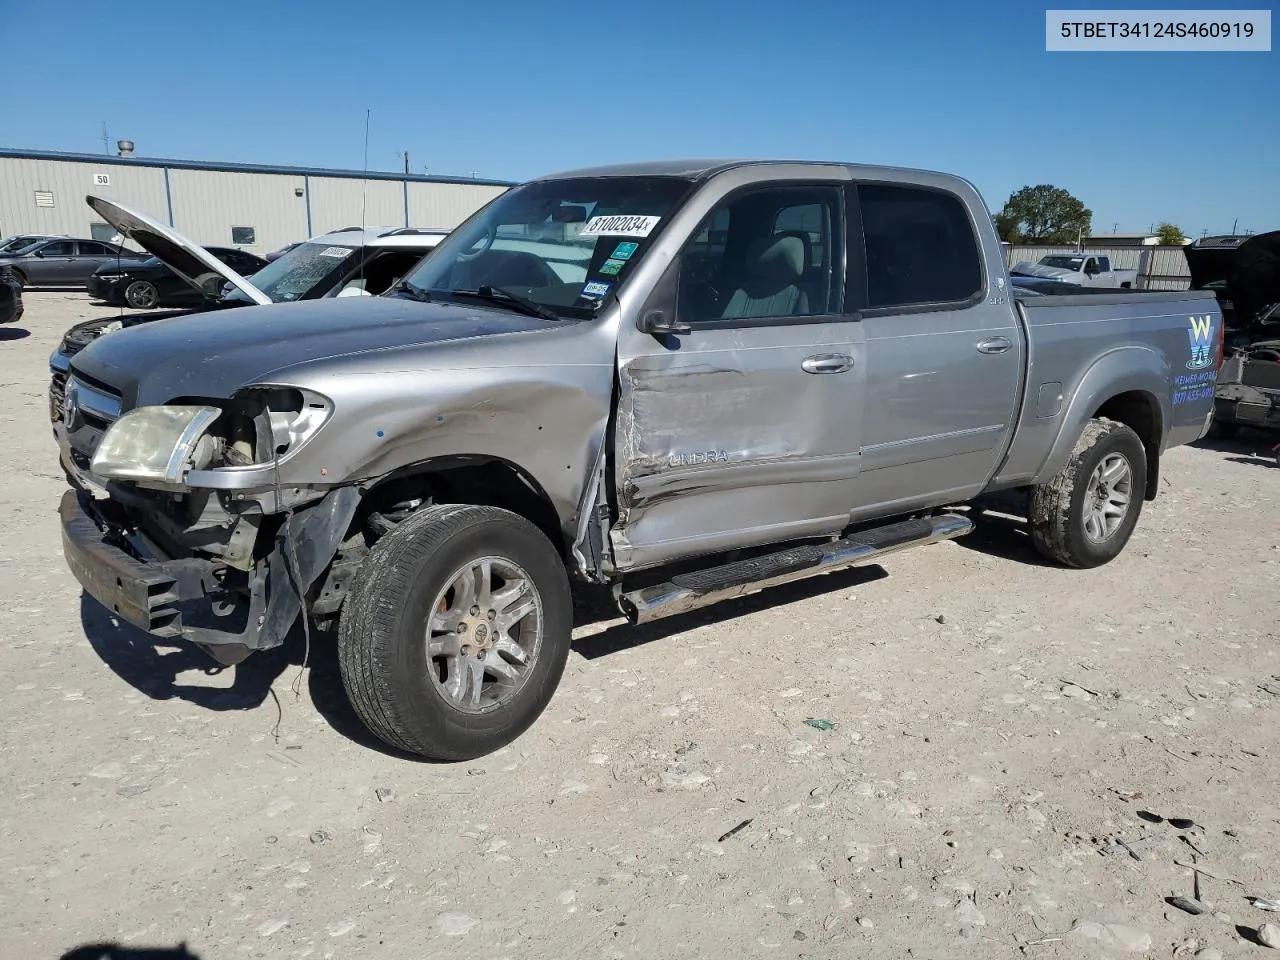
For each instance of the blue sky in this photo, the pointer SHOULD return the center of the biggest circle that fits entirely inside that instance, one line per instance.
(510, 88)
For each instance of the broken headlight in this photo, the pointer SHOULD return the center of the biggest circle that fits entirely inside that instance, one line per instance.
(161, 444)
(152, 443)
(262, 423)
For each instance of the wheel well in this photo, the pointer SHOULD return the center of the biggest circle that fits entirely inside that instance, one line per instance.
(483, 481)
(1140, 412)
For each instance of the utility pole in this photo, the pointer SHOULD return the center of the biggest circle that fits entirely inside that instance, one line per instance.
(406, 163)
(105, 139)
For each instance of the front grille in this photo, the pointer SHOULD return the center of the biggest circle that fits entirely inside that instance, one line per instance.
(57, 395)
(86, 403)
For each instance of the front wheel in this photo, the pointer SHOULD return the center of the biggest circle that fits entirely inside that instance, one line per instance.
(456, 631)
(1085, 515)
(142, 295)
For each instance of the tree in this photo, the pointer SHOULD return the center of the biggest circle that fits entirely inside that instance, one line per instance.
(1007, 227)
(1043, 214)
(1170, 235)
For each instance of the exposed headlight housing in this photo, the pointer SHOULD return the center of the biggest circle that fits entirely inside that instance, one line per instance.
(162, 444)
(152, 443)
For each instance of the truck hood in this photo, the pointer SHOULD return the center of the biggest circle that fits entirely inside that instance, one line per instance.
(194, 264)
(189, 356)
(1027, 269)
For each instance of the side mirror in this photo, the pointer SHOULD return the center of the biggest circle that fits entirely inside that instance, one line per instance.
(658, 324)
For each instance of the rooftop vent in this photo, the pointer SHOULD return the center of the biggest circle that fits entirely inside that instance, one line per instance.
(125, 147)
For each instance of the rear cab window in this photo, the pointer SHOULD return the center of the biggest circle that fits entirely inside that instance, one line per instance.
(920, 248)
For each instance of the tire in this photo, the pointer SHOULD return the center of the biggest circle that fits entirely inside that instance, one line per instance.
(142, 295)
(1065, 525)
(19, 276)
(429, 705)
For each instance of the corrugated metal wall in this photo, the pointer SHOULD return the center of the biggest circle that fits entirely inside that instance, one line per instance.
(429, 206)
(1159, 268)
(141, 187)
(336, 203)
(206, 204)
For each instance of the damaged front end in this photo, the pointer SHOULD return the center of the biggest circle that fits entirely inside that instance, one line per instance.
(186, 522)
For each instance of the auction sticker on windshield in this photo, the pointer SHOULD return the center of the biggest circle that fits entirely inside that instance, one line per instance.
(619, 226)
(335, 251)
(623, 251)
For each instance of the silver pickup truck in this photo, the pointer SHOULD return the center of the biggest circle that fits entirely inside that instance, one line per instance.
(687, 381)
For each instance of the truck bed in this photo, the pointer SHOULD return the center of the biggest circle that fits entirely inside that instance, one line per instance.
(1082, 344)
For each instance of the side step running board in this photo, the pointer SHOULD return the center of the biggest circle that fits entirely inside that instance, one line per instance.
(689, 591)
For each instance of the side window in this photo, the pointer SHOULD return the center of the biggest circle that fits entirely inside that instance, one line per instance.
(920, 247)
(1091, 265)
(771, 252)
(88, 249)
(61, 248)
(1104, 264)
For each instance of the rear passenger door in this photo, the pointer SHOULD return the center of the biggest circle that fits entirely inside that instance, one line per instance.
(90, 255)
(944, 351)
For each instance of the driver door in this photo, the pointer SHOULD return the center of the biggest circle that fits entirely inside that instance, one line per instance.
(744, 429)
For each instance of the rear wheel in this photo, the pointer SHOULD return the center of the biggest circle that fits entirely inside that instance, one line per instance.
(455, 632)
(19, 276)
(1085, 515)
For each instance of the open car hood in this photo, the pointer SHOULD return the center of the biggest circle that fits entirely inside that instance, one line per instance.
(188, 260)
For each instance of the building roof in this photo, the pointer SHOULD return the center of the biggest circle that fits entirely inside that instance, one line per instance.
(102, 158)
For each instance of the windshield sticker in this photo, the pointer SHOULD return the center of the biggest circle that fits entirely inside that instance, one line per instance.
(623, 251)
(595, 290)
(619, 226)
(611, 268)
(335, 251)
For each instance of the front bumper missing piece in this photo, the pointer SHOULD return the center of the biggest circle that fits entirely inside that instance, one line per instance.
(185, 597)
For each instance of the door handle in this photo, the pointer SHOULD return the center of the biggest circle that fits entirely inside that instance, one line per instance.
(827, 363)
(994, 345)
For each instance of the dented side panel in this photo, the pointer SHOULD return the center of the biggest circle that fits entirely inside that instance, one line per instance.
(723, 439)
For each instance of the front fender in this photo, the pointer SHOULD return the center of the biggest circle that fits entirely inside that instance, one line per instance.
(549, 423)
(1126, 369)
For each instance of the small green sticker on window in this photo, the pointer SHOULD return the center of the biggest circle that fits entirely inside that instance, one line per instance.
(611, 267)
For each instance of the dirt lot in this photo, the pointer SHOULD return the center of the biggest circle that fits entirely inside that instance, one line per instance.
(1004, 734)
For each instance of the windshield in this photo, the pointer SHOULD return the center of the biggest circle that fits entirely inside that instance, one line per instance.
(1066, 263)
(18, 244)
(296, 274)
(565, 245)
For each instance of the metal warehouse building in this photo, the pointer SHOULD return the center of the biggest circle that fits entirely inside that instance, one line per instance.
(251, 206)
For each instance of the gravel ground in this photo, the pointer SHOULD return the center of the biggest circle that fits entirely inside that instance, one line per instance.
(1007, 743)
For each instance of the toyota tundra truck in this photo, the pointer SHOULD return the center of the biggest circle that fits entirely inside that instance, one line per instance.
(685, 381)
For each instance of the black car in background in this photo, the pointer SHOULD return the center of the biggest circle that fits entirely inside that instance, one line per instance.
(10, 297)
(151, 284)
